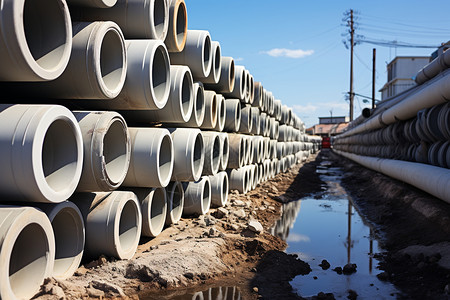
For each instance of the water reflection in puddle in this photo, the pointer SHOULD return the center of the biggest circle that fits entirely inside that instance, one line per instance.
(213, 293)
(330, 228)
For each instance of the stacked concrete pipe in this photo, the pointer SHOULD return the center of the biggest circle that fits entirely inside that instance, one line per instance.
(138, 121)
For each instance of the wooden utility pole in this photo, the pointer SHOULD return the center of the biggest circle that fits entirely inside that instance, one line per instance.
(373, 77)
(352, 33)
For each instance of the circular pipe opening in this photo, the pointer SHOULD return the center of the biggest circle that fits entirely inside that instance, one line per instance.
(59, 155)
(181, 23)
(206, 200)
(222, 112)
(112, 60)
(165, 161)
(68, 230)
(217, 62)
(186, 93)
(158, 210)
(159, 17)
(44, 25)
(241, 152)
(197, 157)
(160, 74)
(177, 202)
(225, 149)
(214, 109)
(200, 105)
(237, 116)
(128, 226)
(28, 261)
(116, 152)
(216, 154)
(224, 189)
(207, 55)
(231, 74)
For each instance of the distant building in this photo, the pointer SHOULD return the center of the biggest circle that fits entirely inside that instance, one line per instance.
(401, 73)
(329, 126)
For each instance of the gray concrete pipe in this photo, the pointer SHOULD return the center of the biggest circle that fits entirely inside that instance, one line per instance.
(197, 197)
(258, 149)
(221, 113)
(245, 149)
(266, 142)
(432, 69)
(224, 150)
(272, 149)
(252, 90)
(27, 251)
(176, 34)
(232, 115)
(258, 96)
(36, 40)
(213, 151)
(238, 179)
(153, 208)
(189, 154)
(255, 176)
(216, 64)
(198, 110)
(219, 189)
(152, 158)
(260, 173)
(240, 84)
(178, 108)
(237, 148)
(246, 119)
(274, 129)
(175, 202)
(68, 229)
(197, 54)
(225, 84)
(96, 70)
(211, 110)
(251, 149)
(431, 179)
(92, 3)
(113, 223)
(247, 93)
(138, 19)
(107, 150)
(263, 123)
(147, 81)
(41, 152)
(256, 122)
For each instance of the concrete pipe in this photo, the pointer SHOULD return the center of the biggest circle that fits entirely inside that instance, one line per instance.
(178, 108)
(272, 149)
(266, 142)
(258, 149)
(213, 151)
(92, 3)
(225, 84)
(225, 150)
(261, 173)
(113, 223)
(263, 124)
(256, 121)
(277, 108)
(153, 208)
(245, 149)
(211, 110)
(250, 149)
(237, 148)
(280, 150)
(252, 89)
(176, 35)
(216, 64)
(258, 95)
(246, 119)
(68, 229)
(189, 154)
(27, 251)
(36, 40)
(107, 150)
(232, 115)
(274, 129)
(197, 54)
(147, 82)
(221, 113)
(175, 202)
(240, 84)
(283, 135)
(255, 176)
(198, 110)
(96, 70)
(247, 93)
(139, 19)
(219, 189)
(41, 153)
(197, 197)
(238, 179)
(250, 174)
(152, 157)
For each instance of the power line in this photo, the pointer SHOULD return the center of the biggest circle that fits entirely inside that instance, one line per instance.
(394, 43)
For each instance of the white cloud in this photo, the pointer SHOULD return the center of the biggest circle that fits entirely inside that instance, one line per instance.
(296, 238)
(291, 53)
(305, 109)
(338, 107)
(239, 59)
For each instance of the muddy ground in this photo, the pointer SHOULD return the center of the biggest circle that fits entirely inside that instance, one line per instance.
(221, 249)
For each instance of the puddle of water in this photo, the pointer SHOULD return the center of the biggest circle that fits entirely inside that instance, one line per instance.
(212, 293)
(330, 228)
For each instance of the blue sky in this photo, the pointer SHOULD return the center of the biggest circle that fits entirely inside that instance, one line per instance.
(311, 73)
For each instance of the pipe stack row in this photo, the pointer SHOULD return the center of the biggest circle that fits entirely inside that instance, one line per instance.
(116, 121)
(408, 136)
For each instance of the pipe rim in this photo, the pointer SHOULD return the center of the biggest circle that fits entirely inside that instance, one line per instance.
(215, 154)
(176, 203)
(197, 156)
(199, 104)
(206, 196)
(231, 75)
(160, 75)
(156, 211)
(127, 227)
(225, 189)
(216, 61)
(180, 24)
(52, 63)
(165, 159)
(225, 151)
(159, 11)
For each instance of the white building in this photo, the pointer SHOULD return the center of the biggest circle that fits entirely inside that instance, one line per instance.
(401, 73)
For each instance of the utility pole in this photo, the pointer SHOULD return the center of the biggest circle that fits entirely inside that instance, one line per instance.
(352, 33)
(373, 76)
